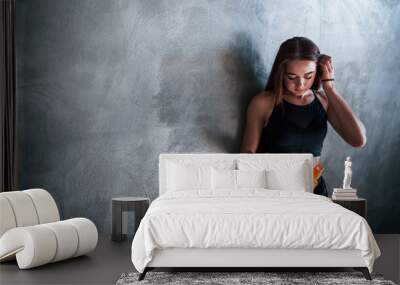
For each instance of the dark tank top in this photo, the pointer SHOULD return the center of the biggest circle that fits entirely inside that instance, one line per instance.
(295, 129)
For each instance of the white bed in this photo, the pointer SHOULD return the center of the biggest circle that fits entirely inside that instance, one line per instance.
(216, 224)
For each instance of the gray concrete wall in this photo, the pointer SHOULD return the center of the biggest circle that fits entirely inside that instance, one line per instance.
(105, 86)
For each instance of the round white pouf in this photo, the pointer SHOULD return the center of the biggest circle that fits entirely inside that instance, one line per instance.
(51, 242)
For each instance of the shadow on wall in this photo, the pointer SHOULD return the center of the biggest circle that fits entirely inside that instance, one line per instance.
(247, 76)
(386, 167)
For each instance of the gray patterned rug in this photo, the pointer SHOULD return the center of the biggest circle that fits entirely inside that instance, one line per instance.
(225, 278)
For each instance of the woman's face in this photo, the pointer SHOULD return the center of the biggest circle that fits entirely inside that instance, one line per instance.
(299, 76)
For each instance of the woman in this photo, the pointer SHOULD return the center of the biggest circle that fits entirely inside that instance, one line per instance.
(291, 114)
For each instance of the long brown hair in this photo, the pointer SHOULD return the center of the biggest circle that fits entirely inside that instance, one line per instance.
(294, 48)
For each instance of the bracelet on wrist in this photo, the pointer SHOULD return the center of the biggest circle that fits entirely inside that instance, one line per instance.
(329, 79)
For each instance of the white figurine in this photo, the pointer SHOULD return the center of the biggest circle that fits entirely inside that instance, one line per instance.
(347, 174)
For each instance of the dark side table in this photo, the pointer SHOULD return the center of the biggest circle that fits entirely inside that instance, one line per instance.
(138, 205)
(357, 205)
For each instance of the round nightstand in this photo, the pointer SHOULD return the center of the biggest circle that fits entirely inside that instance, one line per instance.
(120, 206)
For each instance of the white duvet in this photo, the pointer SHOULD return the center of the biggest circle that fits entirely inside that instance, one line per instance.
(253, 218)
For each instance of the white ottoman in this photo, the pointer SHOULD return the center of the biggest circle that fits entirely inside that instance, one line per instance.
(31, 232)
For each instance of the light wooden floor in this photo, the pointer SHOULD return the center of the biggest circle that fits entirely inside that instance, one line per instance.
(110, 260)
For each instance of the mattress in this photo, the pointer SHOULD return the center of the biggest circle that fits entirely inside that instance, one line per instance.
(250, 218)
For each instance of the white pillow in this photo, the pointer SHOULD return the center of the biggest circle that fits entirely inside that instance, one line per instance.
(226, 179)
(281, 174)
(293, 179)
(223, 179)
(188, 177)
(251, 178)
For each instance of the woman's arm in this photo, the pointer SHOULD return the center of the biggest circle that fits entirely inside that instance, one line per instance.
(344, 121)
(258, 112)
(339, 113)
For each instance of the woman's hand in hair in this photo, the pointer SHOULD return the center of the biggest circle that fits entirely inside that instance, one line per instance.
(325, 63)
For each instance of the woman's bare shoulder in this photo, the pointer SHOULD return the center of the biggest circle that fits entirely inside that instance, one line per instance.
(323, 98)
(263, 101)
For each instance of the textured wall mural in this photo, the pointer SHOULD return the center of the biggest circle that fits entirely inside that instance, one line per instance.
(105, 86)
